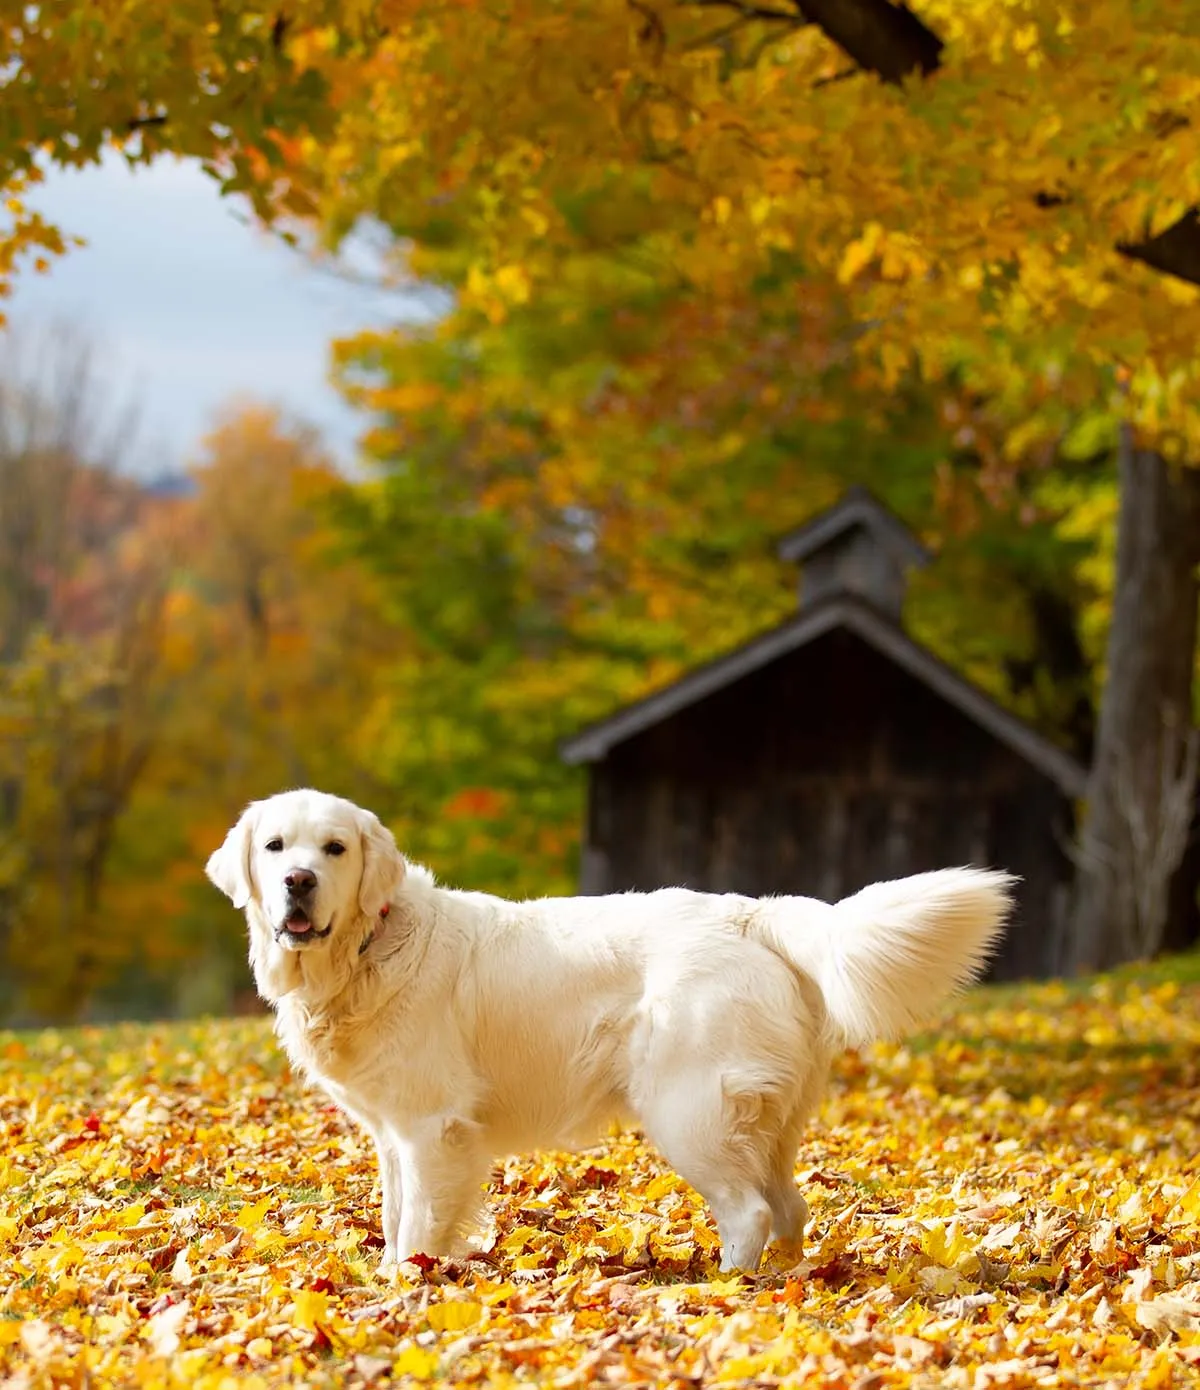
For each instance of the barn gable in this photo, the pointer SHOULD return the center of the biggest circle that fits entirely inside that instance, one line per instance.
(853, 561)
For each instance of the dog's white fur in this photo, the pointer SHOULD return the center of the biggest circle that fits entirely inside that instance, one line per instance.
(458, 1027)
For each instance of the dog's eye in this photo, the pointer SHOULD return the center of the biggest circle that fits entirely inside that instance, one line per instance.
(275, 845)
(334, 848)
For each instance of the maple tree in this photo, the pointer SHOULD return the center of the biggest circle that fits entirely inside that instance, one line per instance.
(1013, 1199)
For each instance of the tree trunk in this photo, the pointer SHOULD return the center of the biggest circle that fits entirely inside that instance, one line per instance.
(1141, 792)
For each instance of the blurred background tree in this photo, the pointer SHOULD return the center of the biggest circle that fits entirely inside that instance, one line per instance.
(82, 593)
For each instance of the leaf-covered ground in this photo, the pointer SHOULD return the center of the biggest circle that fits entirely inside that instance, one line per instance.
(1011, 1200)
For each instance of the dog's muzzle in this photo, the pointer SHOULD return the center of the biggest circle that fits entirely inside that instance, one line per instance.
(297, 927)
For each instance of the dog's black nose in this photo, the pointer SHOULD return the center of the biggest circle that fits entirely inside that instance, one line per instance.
(300, 881)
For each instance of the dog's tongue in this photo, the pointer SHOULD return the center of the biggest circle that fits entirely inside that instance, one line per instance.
(298, 923)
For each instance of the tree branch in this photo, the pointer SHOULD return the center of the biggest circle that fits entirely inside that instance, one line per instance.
(1175, 251)
(886, 39)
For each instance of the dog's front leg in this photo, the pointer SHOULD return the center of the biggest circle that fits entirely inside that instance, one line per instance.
(443, 1166)
(391, 1178)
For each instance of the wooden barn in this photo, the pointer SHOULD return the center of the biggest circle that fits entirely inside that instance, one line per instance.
(829, 752)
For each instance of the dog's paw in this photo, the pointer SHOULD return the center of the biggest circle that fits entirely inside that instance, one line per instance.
(413, 1269)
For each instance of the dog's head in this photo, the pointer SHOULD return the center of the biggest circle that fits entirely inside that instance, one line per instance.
(308, 867)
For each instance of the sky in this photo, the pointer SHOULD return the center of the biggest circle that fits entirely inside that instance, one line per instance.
(190, 307)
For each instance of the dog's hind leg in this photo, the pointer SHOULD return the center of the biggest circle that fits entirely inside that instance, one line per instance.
(712, 1133)
(789, 1210)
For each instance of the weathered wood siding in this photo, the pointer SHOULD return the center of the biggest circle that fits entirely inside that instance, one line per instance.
(818, 774)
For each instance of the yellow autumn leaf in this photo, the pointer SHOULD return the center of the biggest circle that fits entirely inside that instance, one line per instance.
(517, 1239)
(860, 253)
(945, 1244)
(1186, 1208)
(512, 281)
(251, 1216)
(310, 1309)
(661, 1186)
(454, 1315)
(416, 1362)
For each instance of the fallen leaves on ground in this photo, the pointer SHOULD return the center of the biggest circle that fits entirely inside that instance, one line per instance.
(1013, 1200)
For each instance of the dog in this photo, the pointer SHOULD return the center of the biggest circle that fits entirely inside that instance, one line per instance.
(457, 1027)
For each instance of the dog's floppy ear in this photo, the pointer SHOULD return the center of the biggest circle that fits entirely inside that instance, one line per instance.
(383, 865)
(229, 866)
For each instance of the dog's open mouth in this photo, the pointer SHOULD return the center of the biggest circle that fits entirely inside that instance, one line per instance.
(298, 926)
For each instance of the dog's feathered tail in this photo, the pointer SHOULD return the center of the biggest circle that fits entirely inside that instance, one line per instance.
(886, 957)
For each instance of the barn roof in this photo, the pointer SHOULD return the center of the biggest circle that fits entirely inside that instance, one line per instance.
(856, 509)
(850, 612)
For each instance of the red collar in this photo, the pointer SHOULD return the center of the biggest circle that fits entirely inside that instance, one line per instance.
(383, 912)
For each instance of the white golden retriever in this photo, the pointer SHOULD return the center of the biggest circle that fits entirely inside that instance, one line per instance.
(459, 1027)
